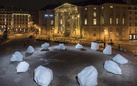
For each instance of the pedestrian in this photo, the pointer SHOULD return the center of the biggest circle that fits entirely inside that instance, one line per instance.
(104, 44)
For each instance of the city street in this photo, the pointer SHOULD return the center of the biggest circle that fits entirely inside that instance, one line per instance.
(64, 64)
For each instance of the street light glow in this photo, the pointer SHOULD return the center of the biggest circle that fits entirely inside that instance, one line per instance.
(46, 15)
(51, 15)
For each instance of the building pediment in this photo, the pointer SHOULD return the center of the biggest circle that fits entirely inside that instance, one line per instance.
(64, 7)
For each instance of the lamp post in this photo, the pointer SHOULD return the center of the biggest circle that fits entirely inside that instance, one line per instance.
(104, 38)
(53, 32)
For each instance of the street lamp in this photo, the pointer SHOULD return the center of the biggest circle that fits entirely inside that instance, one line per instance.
(104, 38)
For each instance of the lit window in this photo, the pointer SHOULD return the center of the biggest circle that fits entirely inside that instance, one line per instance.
(123, 21)
(85, 8)
(52, 22)
(111, 6)
(130, 36)
(110, 20)
(94, 14)
(46, 15)
(61, 21)
(134, 36)
(102, 7)
(94, 8)
(51, 15)
(116, 20)
(94, 21)
(85, 21)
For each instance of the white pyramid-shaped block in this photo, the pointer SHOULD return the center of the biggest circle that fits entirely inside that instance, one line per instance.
(78, 46)
(43, 75)
(94, 46)
(45, 46)
(112, 67)
(120, 59)
(88, 76)
(22, 67)
(62, 47)
(17, 56)
(108, 50)
(30, 49)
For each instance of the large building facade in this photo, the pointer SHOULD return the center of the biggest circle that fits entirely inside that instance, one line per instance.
(16, 20)
(107, 21)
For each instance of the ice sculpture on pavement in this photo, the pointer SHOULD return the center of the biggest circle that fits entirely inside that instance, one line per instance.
(22, 67)
(62, 47)
(43, 75)
(17, 56)
(88, 76)
(30, 49)
(78, 46)
(108, 50)
(120, 59)
(45, 46)
(112, 67)
(94, 46)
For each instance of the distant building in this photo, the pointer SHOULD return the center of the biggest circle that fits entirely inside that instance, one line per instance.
(91, 19)
(17, 20)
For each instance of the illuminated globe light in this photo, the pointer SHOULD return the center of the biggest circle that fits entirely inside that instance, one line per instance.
(51, 15)
(46, 15)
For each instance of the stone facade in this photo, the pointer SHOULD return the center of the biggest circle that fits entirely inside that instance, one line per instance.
(17, 20)
(105, 22)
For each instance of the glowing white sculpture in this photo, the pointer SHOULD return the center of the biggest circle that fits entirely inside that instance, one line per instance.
(112, 67)
(88, 76)
(108, 50)
(45, 46)
(17, 56)
(78, 46)
(94, 46)
(22, 67)
(62, 47)
(120, 59)
(43, 75)
(30, 49)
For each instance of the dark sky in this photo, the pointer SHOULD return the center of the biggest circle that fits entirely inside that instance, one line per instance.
(31, 4)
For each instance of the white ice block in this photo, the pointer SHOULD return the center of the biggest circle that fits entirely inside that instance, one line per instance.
(88, 76)
(17, 56)
(108, 50)
(120, 59)
(30, 49)
(112, 67)
(43, 75)
(45, 46)
(62, 47)
(94, 46)
(22, 67)
(78, 46)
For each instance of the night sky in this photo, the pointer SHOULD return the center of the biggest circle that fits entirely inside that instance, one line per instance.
(31, 4)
